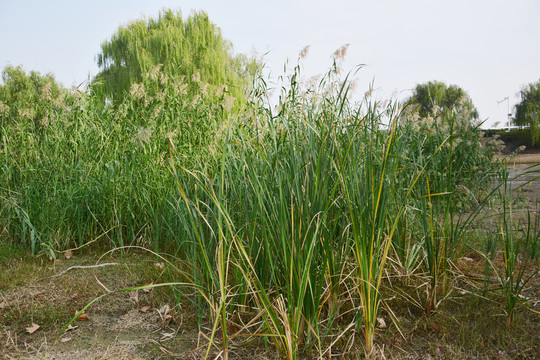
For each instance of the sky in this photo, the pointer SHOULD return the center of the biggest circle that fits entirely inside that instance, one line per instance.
(490, 48)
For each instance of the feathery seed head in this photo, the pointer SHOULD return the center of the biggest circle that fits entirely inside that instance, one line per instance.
(46, 93)
(220, 90)
(137, 91)
(154, 73)
(228, 103)
(304, 52)
(340, 53)
(4, 108)
(144, 134)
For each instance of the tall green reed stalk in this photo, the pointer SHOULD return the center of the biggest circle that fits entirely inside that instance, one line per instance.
(291, 176)
(368, 170)
(102, 170)
(294, 187)
(516, 275)
(279, 203)
(212, 233)
(448, 205)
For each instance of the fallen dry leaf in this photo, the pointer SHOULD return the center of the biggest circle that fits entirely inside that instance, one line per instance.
(71, 327)
(134, 295)
(83, 317)
(438, 352)
(64, 340)
(68, 254)
(145, 308)
(382, 323)
(32, 329)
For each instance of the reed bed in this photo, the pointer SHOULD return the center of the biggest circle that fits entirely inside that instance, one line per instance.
(284, 216)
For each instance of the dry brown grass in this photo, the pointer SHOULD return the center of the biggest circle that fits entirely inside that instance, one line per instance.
(464, 327)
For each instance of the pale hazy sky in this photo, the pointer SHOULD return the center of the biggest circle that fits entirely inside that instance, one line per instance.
(488, 47)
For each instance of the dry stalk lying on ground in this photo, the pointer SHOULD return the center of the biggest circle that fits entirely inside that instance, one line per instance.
(83, 267)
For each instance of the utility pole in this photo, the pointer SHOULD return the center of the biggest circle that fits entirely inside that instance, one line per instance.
(508, 114)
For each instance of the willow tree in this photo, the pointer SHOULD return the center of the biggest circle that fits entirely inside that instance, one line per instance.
(435, 97)
(181, 47)
(528, 110)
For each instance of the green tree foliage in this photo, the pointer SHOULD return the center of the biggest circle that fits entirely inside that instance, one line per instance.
(31, 98)
(528, 110)
(435, 97)
(192, 48)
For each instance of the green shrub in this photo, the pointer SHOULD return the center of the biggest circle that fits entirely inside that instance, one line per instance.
(517, 137)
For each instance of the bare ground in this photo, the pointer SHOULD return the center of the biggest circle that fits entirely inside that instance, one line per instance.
(140, 324)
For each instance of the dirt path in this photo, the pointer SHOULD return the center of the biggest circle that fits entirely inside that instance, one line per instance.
(525, 175)
(527, 158)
